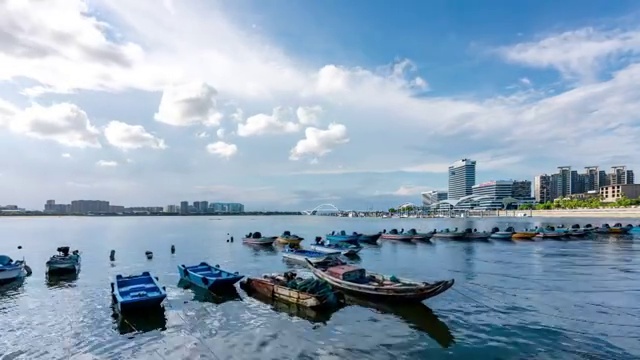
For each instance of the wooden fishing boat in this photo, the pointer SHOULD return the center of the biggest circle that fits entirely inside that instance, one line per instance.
(449, 234)
(287, 287)
(302, 256)
(288, 239)
(256, 238)
(208, 277)
(369, 238)
(11, 270)
(358, 282)
(137, 292)
(393, 234)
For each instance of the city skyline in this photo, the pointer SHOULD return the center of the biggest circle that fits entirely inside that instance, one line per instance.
(125, 102)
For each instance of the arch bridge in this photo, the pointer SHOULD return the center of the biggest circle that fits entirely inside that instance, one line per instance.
(322, 208)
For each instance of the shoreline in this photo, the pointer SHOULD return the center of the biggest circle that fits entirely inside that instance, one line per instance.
(586, 213)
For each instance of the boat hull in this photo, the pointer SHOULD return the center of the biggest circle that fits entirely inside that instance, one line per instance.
(449, 235)
(398, 237)
(477, 236)
(11, 273)
(282, 293)
(525, 235)
(61, 269)
(501, 236)
(259, 241)
(208, 277)
(551, 235)
(330, 250)
(383, 294)
(339, 238)
(303, 258)
(137, 293)
(289, 241)
(369, 239)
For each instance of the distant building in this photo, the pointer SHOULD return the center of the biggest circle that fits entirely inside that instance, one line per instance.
(630, 179)
(462, 176)
(116, 209)
(235, 208)
(431, 197)
(172, 209)
(52, 208)
(542, 190)
(521, 189)
(204, 206)
(612, 193)
(564, 180)
(184, 207)
(592, 178)
(89, 206)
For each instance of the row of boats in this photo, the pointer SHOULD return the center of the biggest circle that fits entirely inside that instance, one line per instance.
(62, 263)
(331, 280)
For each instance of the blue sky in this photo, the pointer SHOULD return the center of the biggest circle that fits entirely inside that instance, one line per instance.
(289, 104)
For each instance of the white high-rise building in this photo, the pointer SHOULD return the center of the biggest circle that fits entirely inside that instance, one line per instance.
(462, 176)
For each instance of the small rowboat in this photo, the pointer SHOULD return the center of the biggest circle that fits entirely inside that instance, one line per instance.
(287, 287)
(393, 234)
(256, 238)
(288, 239)
(358, 282)
(64, 263)
(208, 277)
(302, 256)
(137, 292)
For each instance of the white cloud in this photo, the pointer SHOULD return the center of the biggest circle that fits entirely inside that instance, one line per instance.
(128, 137)
(106, 163)
(220, 133)
(308, 115)
(525, 81)
(276, 123)
(66, 155)
(189, 104)
(63, 123)
(222, 149)
(318, 142)
(63, 47)
(407, 190)
(578, 54)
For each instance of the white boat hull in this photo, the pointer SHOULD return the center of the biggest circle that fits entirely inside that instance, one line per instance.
(303, 259)
(7, 276)
(329, 250)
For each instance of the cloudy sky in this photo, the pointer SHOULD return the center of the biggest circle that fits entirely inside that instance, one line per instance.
(290, 104)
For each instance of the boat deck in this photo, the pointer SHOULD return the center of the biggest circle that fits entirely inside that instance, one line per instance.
(208, 271)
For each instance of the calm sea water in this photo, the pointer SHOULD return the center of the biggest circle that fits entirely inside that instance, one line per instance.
(527, 300)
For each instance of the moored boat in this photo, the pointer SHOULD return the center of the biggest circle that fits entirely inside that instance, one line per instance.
(302, 256)
(358, 282)
(344, 248)
(476, 235)
(289, 288)
(64, 263)
(288, 239)
(576, 231)
(393, 234)
(11, 270)
(415, 235)
(449, 234)
(208, 277)
(526, 234)
(550, 232)
(617, 228)
(256, 238)
(137, 292)
(369, 238)
(507, 234)
(341, 236)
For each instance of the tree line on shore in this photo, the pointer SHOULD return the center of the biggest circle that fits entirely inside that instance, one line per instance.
(591, 203)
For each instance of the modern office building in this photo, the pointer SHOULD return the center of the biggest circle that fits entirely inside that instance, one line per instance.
(592, 178)
(521, 189)
(630, 179)
(462, 177)
(204, 207)
(563, 184)
(431, 197)
(543, 188)
(172, 209)
(184, 207)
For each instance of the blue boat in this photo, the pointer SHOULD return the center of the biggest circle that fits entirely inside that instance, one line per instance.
(342, 237)
(137, 292)
(11, 270)
(208, 277)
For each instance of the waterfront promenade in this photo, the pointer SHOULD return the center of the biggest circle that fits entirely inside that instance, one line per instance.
(591, 213)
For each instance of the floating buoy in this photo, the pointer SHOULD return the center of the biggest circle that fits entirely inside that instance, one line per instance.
(232, 239)
(149, 255)
(19, 247)
(112, 255)
(227, 240)
(173, 249)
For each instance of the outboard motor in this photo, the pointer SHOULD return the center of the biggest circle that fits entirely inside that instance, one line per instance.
(112, 255)
(148, 254)
(495, 230)
(318, 240)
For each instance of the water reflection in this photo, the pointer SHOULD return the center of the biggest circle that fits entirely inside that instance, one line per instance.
(314, 316)
(418, 316)
(204, 295)
(61, 281)
(12, 289)
(140, 322)
(261, 249)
